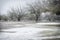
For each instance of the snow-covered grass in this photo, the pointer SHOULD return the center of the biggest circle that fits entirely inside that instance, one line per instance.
(29, 31)
(6, 25)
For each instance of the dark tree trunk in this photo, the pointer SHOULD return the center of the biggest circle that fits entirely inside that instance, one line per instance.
(58, 13)
(37, 17)
(0, 18)
(19, 19)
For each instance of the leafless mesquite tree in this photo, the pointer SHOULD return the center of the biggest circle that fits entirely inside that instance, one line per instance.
(16, 14)
(37, 8)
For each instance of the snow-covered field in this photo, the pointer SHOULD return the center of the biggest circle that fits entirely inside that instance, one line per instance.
(37, 31)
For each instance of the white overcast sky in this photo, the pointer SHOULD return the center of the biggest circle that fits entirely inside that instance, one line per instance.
(5, 5)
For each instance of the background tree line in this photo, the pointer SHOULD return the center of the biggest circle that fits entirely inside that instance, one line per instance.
(33, 11)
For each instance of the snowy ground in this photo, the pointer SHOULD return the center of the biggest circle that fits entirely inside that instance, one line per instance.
(29, 32)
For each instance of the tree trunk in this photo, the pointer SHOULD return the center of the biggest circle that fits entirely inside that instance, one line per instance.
(37, 17)
(19, 19)
(58, 13)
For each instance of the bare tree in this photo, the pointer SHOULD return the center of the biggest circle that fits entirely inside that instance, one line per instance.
(37, 8)
(33, 9)
(16, 14)
(54, 6)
